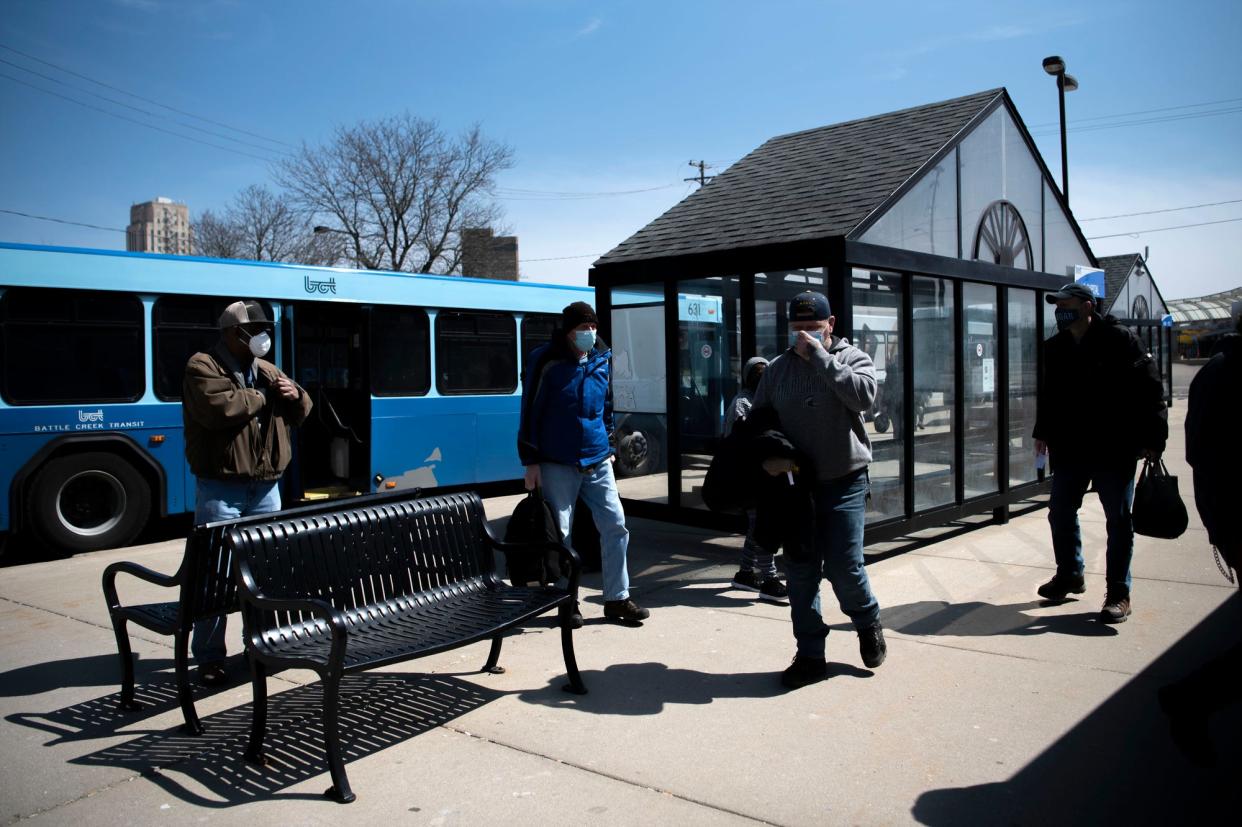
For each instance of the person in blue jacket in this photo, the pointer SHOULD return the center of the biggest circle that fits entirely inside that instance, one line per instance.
(566, 442)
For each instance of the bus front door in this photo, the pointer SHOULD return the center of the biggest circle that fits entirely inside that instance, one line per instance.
(329, 362)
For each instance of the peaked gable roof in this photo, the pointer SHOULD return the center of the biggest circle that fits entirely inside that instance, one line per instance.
(817, 183)
(1116, 270)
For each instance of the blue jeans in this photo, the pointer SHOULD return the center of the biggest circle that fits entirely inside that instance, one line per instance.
(1115, 486)
(835, 552)
(216, 500)
(562, 485)
(754, 557)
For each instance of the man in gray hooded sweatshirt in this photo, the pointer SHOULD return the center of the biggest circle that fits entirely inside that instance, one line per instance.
(819, 389)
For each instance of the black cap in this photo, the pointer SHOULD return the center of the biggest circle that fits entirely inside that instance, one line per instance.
(1073, 290)
(576, 314)
(809, 306)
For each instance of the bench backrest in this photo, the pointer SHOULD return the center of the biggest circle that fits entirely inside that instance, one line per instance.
(362, 554)
(208, 586)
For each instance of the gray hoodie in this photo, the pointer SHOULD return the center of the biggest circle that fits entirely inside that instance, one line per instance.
(820, 403)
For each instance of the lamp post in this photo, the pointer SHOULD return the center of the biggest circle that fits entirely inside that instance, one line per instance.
(1055, 65)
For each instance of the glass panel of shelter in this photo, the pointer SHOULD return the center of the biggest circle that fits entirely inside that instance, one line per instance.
(1023, 343)
(708, 368)
(934, 384)
(639, 398)
(979, 369)
(877, 315)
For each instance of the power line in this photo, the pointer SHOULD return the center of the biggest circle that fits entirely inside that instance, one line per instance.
(1162, 229)
(560, 258)
(62, 221)
(514, 194)
(141, 98)
(1153, 212)
(136, 108)
(1184, 117)
(1138, 112)
(134, 120)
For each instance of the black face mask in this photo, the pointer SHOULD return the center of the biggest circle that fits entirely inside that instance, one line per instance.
(1066, 318)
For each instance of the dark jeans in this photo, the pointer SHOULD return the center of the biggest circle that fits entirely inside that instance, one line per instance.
(1115, 486)
(835, 552)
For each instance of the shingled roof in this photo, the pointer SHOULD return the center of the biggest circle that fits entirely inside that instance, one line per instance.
(1116, 270)
(819, 183)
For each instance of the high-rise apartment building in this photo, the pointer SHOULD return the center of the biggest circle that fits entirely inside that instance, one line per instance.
(159, 226)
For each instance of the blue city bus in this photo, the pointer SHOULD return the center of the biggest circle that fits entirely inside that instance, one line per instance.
(415, 380)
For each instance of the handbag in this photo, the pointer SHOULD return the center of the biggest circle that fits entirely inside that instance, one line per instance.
(1158, 510)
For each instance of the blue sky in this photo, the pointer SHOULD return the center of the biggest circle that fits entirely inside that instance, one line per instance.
(615, 96)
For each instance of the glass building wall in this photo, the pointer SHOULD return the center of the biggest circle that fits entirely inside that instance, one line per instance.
(877, 331)
(1023, 343)
(980, 372)
(639, 396)
(934, 382)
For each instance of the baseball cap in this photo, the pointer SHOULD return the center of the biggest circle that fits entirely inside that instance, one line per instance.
(809, 306)
(248, 312)
(1073, 290)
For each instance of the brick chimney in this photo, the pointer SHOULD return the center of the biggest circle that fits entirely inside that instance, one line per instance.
(488, 256)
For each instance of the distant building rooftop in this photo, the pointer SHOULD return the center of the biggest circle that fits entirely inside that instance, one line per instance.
(1212, 308)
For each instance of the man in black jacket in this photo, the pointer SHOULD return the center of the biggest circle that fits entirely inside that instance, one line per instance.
(1101, 407)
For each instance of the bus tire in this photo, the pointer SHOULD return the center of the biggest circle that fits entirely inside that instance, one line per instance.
(638, 451)
(89, 501)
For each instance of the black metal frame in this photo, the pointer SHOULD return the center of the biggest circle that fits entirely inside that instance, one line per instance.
(420, 580)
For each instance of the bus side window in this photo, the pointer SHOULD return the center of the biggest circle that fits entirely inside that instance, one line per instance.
(70, 346)
(181, 327)
(475, 352)
(400, 347)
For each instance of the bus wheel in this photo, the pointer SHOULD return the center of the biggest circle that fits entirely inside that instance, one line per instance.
(86, 502)
(638, 452)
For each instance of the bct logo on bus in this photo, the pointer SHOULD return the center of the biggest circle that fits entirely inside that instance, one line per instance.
(328, 286)
(90, 416)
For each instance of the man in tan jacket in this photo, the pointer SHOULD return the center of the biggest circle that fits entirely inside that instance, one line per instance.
(237, 409)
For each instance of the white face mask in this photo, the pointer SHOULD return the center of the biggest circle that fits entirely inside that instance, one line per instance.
(814, 334)
(260, 344)
(584, 340)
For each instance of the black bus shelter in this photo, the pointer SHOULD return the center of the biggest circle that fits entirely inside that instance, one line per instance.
(934, 231)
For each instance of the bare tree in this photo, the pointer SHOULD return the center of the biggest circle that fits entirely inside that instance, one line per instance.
(399, 190)
(216, 236)
(263, 226)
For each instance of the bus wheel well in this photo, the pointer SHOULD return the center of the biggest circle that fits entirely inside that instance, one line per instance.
(121, 445)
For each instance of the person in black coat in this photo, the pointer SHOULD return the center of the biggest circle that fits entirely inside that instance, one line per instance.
(1100, 408)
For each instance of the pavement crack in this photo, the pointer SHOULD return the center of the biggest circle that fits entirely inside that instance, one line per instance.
(611, 776)
(85, 795)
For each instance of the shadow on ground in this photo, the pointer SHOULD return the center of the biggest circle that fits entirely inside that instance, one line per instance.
(377, 711)
(1119, 765)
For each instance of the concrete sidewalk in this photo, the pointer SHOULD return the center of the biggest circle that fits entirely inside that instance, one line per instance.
(991, 708)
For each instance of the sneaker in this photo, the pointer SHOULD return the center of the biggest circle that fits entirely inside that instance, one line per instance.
(1116, 606)
(213, 674)
(1062, 585)
(773, 590)
(626, 611)
(746, 581)
(871, 646)
(804, 671)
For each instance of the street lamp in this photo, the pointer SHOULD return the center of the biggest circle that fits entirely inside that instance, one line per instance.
(320, 230)
(1055, 65)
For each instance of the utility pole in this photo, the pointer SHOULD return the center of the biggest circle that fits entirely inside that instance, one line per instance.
(701, 177)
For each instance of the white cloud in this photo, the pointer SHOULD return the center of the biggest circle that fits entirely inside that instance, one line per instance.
(592, 26)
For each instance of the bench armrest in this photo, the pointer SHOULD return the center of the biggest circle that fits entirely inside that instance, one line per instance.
(135, 570)
(249, 593)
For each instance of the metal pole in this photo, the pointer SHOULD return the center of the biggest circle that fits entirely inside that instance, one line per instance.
(1064, 156)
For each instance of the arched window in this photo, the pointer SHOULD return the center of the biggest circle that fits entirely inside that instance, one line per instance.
(1001, 237)
(1139, 309)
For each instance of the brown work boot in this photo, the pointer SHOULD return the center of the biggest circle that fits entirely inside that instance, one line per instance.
(1116, 605)
(626, 611)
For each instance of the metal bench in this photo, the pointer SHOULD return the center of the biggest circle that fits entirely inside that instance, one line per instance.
(207, 588)
(372, 584)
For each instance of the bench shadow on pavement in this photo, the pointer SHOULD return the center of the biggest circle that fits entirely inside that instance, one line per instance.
(1119, 764)
(378, 710)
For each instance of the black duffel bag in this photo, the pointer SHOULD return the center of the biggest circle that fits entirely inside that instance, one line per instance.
(1158, 510)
